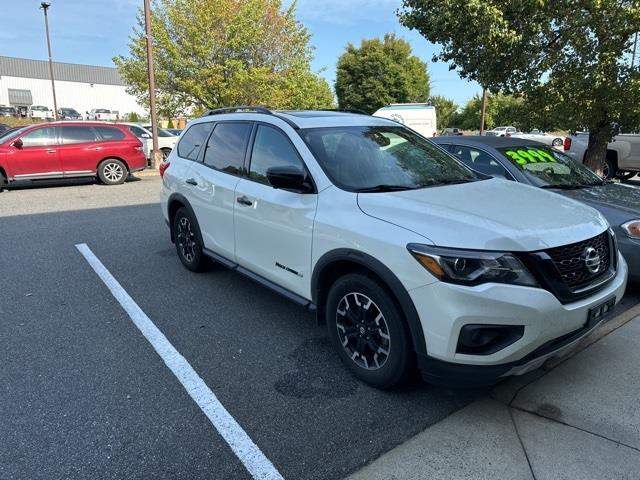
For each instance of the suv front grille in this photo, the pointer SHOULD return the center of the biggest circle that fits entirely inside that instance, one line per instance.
(570, 260)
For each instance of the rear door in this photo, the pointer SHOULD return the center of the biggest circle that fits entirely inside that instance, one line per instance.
(38, 156)
(80, 151)
(213, 183)
(274, 227)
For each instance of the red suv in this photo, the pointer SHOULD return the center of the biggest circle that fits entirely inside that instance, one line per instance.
(70, 149)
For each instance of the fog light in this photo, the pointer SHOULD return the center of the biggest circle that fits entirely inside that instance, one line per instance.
(487, 339)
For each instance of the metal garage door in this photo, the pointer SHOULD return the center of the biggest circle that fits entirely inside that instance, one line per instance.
(20, 98)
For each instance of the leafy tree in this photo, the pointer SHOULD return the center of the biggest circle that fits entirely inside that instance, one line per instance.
(215, 53)
(445, 110)
(170, 124)
(502, 110)
(378, 73)
(133, 117)
(567, 57)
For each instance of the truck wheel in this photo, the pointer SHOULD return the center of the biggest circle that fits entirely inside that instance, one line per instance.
(609, 170)
(369, 331)
(112, 172)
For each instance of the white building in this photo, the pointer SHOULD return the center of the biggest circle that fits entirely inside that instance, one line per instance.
(83, 87)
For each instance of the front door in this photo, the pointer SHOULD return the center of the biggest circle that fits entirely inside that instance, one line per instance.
(38, 156)
(273, 227)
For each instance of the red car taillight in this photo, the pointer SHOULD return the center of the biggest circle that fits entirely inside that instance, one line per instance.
(163, 168)
(567, 144)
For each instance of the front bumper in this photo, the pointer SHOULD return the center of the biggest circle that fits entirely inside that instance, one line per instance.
(550, 327)
(630, 249)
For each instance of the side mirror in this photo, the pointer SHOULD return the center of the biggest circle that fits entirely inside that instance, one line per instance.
(289, 178)
(17, 143)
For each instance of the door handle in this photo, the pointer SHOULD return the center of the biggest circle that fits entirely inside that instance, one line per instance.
(191, 181)
(51, 151)
(244, 201)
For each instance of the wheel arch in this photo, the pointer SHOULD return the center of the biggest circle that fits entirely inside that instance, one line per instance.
(113, 157)
(175, 202)
(339, 262)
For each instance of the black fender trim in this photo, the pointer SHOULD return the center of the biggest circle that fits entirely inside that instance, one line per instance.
(388, 277)
(177, 197)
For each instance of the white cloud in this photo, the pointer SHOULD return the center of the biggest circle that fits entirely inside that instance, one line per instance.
(346, 12)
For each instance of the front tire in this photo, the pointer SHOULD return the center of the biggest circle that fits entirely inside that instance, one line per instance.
(112, 172)
(609, 170)
(369, 331)
(188, 244)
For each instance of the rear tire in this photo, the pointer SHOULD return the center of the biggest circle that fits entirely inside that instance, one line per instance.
(112, 172)
(3, 182)
(369, 331)
(186, 233)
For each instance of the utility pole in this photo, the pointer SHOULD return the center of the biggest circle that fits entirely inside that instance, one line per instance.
(484, 109)
(156, 156)
(45, 7)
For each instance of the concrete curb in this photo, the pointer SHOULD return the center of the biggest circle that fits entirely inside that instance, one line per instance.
(147, 173)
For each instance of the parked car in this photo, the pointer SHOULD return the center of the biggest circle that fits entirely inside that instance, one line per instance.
(67, 113)
(623, 154)
(539, 136)
(174, 131)
(403, 251)
(4, 127)
(420, 117)
(41, 112)
(8, 111)
(65, 149)
(451, 131)
(501, 132)
(536, 164)
(103, 114)
(166, 141)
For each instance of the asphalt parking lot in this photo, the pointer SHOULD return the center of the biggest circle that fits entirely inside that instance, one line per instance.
(84, 394)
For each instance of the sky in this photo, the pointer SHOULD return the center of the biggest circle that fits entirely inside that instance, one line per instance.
(94, 31)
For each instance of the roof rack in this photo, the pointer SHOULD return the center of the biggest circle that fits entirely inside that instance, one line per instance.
(344, 110)
(239, 109)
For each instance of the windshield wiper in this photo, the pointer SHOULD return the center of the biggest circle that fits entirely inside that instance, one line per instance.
(456, 181)
(572, 186)
(384, 188)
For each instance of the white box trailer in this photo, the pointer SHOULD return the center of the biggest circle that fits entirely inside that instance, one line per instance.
(420, 117)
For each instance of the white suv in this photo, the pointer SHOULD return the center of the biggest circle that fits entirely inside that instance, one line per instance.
(409, 257)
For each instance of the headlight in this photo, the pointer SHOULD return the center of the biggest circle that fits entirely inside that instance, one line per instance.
(469, 267)
(632, 228)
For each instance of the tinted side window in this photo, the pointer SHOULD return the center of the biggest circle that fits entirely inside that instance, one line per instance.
(40, 137)
(271, 148)
(480, 161)
(78, 135)
(110, 133)
(193, 139)
(137, 131)
(226, 147)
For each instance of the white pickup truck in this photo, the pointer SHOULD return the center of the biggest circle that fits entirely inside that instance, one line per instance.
(103, 114)
(623, 153)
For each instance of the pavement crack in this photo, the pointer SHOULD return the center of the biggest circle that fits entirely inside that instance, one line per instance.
(617, 442)
(524, 449)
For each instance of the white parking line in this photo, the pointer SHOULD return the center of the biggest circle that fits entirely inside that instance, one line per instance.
(249, 454)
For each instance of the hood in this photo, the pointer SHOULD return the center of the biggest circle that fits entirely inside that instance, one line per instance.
(487, 215)
(623, 198)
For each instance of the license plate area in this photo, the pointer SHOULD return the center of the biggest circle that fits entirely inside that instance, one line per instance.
(601, 311)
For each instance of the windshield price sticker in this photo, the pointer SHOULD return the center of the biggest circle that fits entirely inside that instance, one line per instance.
(531, 155)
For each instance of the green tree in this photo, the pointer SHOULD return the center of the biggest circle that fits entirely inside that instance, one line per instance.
(378, 73)
(133, 117)
(216, 53)
(502, 110)
(445, 110)
(568, 58)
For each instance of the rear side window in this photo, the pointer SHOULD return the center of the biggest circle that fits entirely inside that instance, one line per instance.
(137, 131)
(40, 137)
(271, 148)
(110, 133)
(193, 139)
(226, 147)
(78, 135)
(479, 161)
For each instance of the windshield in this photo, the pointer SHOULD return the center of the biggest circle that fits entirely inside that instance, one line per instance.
(547, 167)
(382, 158)
(102, 110)
(9, 134)
(7, 109)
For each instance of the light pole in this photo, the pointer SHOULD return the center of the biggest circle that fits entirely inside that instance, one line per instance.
(45, 7)
(156, 157)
